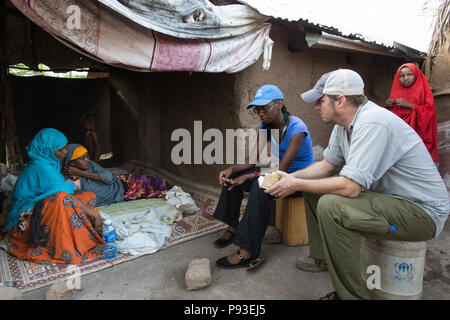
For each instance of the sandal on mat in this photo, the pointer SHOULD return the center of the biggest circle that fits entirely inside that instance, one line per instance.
(224, 264)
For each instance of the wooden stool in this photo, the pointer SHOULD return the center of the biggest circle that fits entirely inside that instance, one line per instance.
(291, 221)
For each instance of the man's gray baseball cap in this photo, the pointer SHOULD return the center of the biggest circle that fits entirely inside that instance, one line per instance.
(317, 92)
(339, 82)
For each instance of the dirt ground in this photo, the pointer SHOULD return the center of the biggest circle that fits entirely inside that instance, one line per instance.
(160, 276)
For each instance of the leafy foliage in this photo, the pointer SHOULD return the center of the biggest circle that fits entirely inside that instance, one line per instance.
(22, 70)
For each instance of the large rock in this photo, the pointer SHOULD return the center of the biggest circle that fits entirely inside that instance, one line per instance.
(60, 291)
(272, 236)
(10, 293)
(198, 275)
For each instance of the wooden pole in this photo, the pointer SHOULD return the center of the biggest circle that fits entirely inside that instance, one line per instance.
(14, 160)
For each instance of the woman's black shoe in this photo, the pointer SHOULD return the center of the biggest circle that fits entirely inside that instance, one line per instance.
(222, 243)
(224, 264)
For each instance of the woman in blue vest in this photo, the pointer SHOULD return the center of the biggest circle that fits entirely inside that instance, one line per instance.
(294, 153)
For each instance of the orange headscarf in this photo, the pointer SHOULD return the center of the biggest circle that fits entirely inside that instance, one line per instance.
(422, 118)
(78, 152)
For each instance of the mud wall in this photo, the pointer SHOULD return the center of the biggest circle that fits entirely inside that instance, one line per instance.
(135, 116)
(148, 107)
(186, 98)
(438, 75)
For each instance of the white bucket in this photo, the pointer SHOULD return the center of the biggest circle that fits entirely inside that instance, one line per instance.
(392, 270)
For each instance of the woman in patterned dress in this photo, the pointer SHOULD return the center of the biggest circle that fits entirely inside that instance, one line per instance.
(47, 222)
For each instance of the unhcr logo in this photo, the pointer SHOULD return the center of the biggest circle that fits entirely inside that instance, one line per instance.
(403, 272)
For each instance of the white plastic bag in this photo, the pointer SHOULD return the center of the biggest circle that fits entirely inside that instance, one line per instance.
(181, 200)
(7, 184)
(149, 239)
(145, 232)
(168, 213)
(121, 230)
(141, 243)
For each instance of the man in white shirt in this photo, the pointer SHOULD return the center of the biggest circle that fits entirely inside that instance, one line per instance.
(388, 187)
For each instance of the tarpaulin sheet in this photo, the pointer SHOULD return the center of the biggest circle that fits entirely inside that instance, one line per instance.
(189, 19)
(105, 31)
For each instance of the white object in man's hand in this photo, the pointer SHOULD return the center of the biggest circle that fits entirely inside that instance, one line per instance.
(269, 180)
(283, 187)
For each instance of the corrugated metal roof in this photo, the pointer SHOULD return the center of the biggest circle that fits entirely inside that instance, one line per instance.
(324, 16)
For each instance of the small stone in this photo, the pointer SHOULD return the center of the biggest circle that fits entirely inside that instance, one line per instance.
(10, 293)
(198, 275)
(60, 291)
(272, 236)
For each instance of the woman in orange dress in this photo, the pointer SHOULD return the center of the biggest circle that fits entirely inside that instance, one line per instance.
(411, 99)
(47, 222)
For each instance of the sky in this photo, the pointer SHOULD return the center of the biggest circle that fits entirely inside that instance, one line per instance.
(409, 22)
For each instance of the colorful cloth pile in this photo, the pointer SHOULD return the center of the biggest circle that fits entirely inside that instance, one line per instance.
(143, 187)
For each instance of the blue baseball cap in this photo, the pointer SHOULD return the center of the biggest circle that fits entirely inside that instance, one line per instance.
(266, 94)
